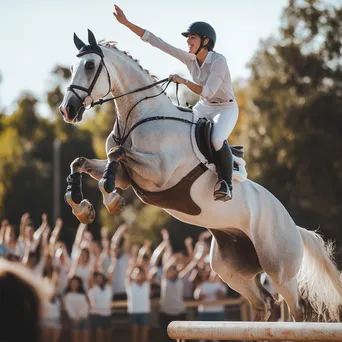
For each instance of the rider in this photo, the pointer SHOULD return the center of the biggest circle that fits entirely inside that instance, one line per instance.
(210, 71)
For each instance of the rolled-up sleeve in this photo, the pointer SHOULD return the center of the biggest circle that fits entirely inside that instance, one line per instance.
(180, 54)
(215, 79)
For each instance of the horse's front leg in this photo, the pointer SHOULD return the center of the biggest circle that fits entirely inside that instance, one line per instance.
(107, 184)
(81, 207)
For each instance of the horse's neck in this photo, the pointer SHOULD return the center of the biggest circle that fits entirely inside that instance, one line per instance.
(127, 75)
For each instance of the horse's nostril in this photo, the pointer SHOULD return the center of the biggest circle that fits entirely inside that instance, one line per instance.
(62, 110)
(71, 110)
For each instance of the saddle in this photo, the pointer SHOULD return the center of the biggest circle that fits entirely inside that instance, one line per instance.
(203, 133)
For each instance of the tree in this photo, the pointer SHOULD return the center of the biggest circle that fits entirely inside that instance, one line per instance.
(297, 123)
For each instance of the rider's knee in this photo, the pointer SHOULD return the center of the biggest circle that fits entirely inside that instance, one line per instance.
(217, 142)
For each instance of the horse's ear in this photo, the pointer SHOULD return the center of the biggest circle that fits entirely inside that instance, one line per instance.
(91, 38)
(78, 42)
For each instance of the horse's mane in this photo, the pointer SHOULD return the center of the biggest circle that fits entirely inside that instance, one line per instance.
(112, 44)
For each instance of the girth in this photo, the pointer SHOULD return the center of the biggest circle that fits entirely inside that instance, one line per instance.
(176, 198)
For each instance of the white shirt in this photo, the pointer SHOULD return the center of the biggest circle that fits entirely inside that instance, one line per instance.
(76, 305)
(120, 274)
(100, 300)
(84, 273)
(52, 310)
(138, 297)
(171, 297)
(210, 289)
(63, 274)
(213, 75)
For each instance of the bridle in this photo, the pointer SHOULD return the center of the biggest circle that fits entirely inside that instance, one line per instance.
(121, 138)
(88, 90)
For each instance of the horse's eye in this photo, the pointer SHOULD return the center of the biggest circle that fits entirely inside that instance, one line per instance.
(89, 65)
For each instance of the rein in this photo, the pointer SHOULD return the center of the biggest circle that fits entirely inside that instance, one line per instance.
(121, 138)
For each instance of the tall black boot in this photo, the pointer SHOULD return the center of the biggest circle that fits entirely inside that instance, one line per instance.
(224, 166)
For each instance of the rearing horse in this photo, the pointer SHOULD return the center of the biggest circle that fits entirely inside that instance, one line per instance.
(159, 158)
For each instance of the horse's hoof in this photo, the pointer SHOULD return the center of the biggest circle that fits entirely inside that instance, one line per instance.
(116, 205)
(86, 214)
(106, 185)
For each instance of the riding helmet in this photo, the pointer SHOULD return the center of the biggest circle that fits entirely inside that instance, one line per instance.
(203, 29)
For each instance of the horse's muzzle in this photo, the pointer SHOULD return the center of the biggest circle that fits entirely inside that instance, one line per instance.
(73, 110)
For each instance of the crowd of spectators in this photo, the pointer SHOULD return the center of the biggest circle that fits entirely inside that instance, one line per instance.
(88, 278)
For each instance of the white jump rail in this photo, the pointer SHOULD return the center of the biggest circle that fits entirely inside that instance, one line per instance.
(251, 331)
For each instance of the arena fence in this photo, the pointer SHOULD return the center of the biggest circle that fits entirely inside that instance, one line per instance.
(251, 331)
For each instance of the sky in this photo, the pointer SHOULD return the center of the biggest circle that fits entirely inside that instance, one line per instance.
(36, 35)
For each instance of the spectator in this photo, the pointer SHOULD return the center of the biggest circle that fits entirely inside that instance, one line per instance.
(32, 262)
(76, 305)
(29, 238)
(121, 248)
(62, 263)
(83, 268)
(20, 304)
(172, 306)
(8, 239)
(139, 304)
(210, 289)
(100, 297)
(52, 313)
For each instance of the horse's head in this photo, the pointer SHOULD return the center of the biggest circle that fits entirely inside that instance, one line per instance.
(90, 80)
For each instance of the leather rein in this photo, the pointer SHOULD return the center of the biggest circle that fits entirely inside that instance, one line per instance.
(121, 138)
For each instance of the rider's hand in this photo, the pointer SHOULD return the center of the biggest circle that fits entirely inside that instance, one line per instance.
(177, 79)
(120, 15)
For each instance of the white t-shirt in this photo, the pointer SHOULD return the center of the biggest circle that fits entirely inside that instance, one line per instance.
(120, 274)
(210, 289)
(138, 297)
(76, 305)
(100, 300)
(171, 297)
(52, 310)
(84, 273)
(63, 274)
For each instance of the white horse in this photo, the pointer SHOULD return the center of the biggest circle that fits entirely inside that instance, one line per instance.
(160, 159)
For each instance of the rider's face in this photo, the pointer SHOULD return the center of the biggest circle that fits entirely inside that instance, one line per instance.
(194, 42)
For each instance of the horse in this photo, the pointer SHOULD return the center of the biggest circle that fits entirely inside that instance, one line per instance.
(153, 148)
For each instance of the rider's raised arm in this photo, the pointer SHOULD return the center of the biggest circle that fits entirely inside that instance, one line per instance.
(157, 42)
(149, 37)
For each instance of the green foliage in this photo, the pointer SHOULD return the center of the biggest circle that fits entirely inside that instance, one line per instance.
(295, 133)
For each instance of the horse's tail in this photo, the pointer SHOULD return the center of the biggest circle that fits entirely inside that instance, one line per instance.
(318, 278)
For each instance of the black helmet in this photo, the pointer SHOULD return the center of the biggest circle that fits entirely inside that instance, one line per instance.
(201, 28)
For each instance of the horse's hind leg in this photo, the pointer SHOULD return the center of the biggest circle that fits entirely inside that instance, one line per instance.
(289, 291)
(282, 261)
(237, 264)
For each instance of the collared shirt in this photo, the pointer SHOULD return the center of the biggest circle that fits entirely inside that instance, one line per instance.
(213, 75)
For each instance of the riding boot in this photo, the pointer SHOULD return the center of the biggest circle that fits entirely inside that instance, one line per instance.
(224, 167)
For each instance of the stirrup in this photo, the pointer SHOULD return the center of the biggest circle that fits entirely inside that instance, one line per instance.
(224, 192)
